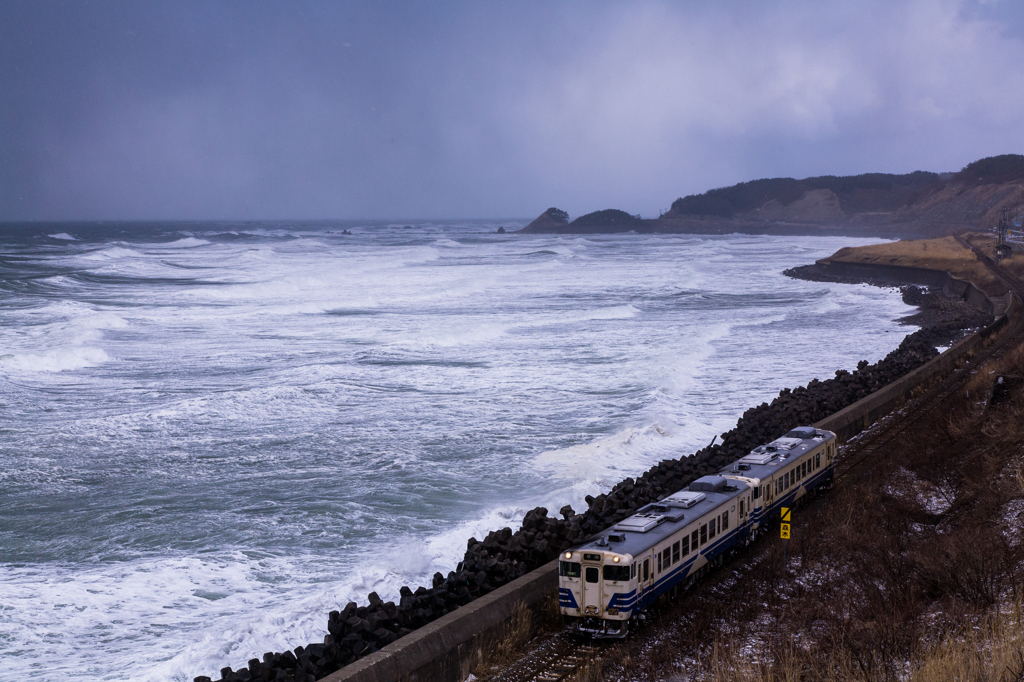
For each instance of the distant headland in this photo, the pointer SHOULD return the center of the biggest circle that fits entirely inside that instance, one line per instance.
(915, 205)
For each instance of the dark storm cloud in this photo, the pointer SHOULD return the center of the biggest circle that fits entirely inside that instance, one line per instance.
(327, 109)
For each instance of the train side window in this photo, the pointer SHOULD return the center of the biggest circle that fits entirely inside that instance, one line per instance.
(675, 552)
(817, 460)
(741, 507)
(693, 540)
(711, 528)
(725, 519)
(668, 557)
(658, 554)
(785, 484)
(703, 534)
(593, 575)
(686, 545)
(647, 567)
(632, 571)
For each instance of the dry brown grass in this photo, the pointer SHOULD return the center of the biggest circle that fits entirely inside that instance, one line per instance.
(945, 253)
(991, 652)
(506, 644)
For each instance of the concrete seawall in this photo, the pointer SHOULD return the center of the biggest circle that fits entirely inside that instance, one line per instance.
(445, 649)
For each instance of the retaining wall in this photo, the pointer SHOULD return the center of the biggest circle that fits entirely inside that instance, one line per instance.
(444, 650)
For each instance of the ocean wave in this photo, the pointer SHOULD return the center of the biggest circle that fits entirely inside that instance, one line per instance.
(184, 243)
(55, 360)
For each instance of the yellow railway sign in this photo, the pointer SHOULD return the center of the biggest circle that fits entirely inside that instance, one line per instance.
(784, 531)
(785, 514)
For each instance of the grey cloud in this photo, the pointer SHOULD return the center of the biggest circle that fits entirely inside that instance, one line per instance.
(319, 110)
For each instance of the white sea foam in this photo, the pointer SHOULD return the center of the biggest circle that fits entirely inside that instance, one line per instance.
(62, 235)
(232, 438)
(55, 360)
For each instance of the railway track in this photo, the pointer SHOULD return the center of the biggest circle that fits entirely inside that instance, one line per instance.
(563, 658)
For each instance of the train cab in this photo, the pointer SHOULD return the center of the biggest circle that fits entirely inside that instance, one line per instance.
(597, 588)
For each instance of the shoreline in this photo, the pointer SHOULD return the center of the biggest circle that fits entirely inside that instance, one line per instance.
(505, 556)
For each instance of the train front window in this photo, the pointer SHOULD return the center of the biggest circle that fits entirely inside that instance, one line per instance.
(568, 569)
(616, 573)
(593, 575)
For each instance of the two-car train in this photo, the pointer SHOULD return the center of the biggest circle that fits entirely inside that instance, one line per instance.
(613, 576)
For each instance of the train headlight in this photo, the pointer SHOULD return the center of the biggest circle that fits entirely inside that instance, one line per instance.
(615, 559)
(568, 555)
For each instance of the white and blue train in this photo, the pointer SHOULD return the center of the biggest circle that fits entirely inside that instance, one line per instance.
(616, 574)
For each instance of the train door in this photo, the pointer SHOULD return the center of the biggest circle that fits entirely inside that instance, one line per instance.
(644, 575)
(592, 585)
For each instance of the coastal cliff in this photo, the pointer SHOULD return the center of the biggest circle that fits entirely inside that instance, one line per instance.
(914, 205)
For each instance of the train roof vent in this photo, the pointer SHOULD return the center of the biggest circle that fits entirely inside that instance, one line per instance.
(759, 456)
(710, 484)
(803, 432)
(640, 523)
(666, 508)
(685, 498)
(784, 444)
(616, 537)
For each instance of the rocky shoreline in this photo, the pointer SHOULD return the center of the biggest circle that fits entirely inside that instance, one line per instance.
(505, 555)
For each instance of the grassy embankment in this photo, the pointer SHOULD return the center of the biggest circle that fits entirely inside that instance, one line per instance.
(939, 254)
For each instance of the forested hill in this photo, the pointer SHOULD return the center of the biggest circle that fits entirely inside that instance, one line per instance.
(855, 193)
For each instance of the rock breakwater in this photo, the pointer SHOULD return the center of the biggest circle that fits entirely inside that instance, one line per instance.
(504, 555)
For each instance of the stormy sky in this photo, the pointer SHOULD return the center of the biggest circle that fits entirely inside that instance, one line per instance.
(242, 109)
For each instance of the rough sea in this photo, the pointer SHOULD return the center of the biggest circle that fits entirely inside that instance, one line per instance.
(211, 435)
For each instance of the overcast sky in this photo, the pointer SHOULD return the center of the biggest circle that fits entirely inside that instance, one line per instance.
(243, 109)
